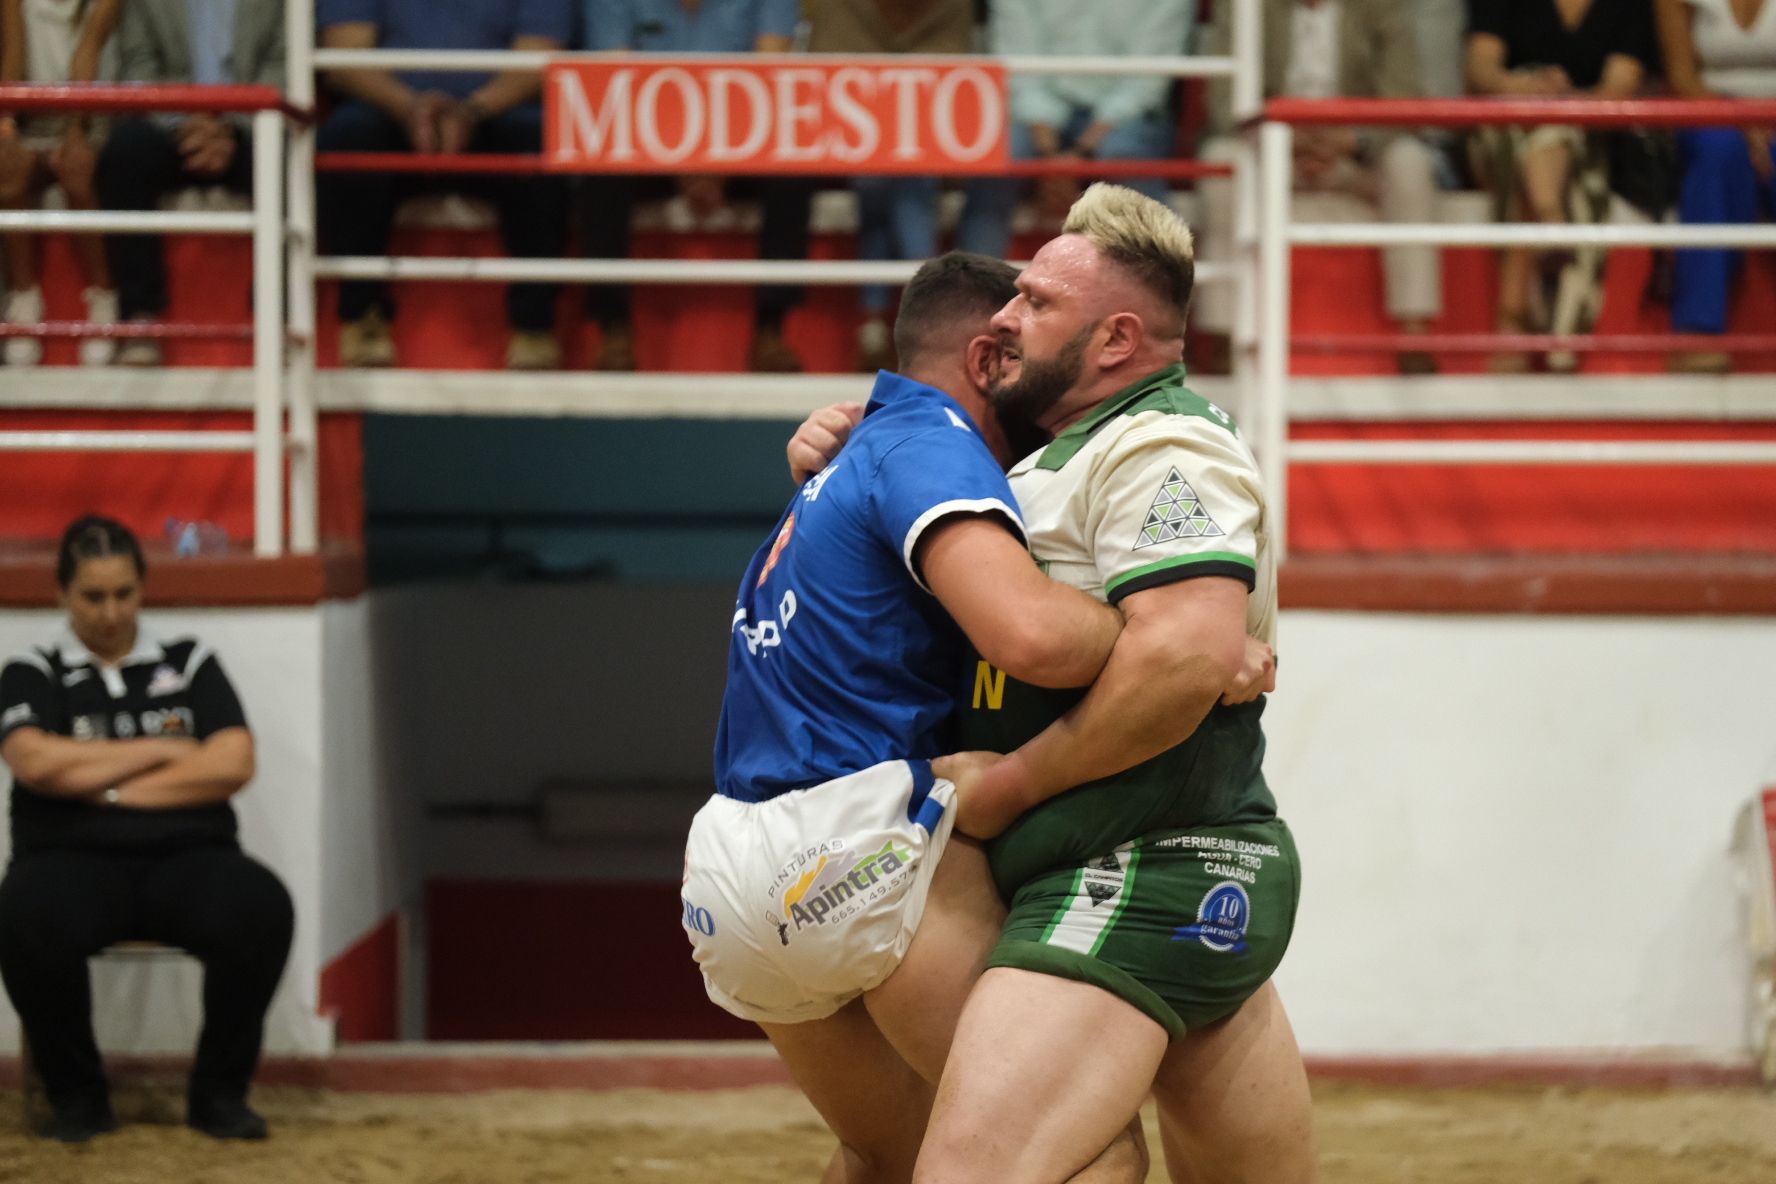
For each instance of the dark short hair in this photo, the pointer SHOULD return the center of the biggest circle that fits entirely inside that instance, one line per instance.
(957, 288)
(93, 537)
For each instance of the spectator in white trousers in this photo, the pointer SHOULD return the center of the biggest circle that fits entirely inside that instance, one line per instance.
(1325, 49)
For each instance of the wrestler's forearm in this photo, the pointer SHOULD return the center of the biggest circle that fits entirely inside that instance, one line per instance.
(1174, 658)
(1142, 704)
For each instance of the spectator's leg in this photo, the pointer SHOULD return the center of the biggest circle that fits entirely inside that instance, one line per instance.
(138, 165)
(58, 908)
(234, 915)
(605, 206)
(896, 219)
(876, 198)
(990, 202)
(75, 169)
(875, 234)
(355, 212)
(1407, 172)
(785, 204)
(1718, 185)
(22, 177)
(1212, 305)
(532, 214)
(1148, 138)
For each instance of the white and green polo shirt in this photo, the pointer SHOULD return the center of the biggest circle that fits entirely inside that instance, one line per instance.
(1154, 486)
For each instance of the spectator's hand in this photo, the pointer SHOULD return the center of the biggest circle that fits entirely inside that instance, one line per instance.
(703, 192)
(207, 144)
(1539, 82)
(456, 126)
(820, 437)
(983, 809)
(74, 163)
(423, 117)
(1759, 141)
(1257, 676)
(1046, 138)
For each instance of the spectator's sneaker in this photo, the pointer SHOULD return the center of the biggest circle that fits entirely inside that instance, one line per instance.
(101, 309)
(82, 1121)
(367, 341)
(140, 351)
(875, 346)
(224, 1118)
(24, 307)
(532, 349)
(771, 354)
(617, 350)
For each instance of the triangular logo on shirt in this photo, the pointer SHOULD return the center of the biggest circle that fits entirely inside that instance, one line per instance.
(1176, 513)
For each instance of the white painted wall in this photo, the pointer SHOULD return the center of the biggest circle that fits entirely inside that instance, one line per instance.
(1515, 829)
(311, 814)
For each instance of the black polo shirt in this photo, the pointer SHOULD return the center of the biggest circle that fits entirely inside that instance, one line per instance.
(1535, 35)
(175, 688)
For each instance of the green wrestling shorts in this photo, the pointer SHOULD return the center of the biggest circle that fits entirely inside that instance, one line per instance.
(1185, 925)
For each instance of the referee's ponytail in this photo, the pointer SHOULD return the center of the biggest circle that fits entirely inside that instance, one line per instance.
(94, 536)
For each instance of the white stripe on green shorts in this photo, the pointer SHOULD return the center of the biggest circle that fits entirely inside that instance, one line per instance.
(1100, 891)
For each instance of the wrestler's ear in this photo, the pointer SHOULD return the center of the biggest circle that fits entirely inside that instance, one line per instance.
(981, 360)
(1123, 334)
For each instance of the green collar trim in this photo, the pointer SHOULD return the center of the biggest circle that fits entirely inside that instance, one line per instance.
(1066, 446)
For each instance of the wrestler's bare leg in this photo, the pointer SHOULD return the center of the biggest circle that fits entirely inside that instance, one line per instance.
(871, 1098)
(1233, 1101)
(1044, 1074)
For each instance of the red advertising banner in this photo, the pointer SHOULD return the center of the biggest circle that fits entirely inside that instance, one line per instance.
(646, 114)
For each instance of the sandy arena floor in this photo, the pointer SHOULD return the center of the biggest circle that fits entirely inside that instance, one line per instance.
(768, 1134)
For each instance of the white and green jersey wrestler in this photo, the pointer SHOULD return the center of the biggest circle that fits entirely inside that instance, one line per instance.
(1173, 884)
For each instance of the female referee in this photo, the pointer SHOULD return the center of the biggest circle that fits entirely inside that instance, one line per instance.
(124, 752)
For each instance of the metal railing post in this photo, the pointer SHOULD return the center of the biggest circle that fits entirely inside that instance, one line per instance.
(299, 254)
(268, 343)
(1246, 104)
(1275, 146)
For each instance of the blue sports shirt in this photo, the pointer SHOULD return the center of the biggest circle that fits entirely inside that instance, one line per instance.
(840, 657)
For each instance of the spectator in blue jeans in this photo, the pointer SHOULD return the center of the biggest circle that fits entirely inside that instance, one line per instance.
(1078, 116)
(607, 199)
(896, 216)
(1729, 173)
(446, 112)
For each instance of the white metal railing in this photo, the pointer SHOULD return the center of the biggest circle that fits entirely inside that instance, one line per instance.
(264, 224)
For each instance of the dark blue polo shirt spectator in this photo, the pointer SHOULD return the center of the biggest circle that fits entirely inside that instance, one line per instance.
(670, 26)
(440, 111)
(680, 27)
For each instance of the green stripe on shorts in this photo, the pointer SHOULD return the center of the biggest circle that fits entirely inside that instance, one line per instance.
(1083, 922)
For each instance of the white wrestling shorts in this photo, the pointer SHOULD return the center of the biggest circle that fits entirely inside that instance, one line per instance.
(797, 905)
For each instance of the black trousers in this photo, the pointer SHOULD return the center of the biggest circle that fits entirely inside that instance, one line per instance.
(138, 165)
(59, 907)
(356, 211)
(607, 200)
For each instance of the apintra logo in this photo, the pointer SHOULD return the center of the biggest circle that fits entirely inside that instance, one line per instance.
(841, 883)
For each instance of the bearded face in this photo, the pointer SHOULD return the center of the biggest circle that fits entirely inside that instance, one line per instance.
(1034, 385)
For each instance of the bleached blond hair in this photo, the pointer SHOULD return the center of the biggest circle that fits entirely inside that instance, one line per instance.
(1143, 237)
